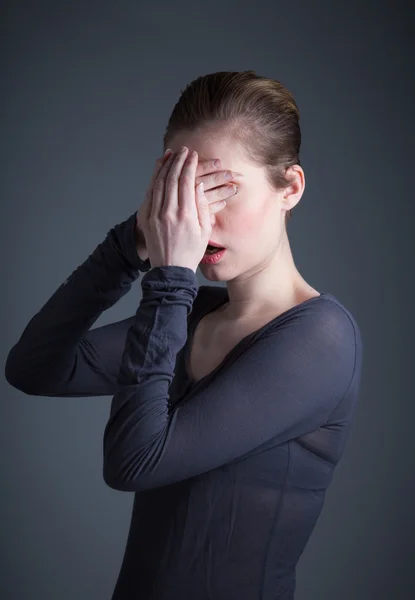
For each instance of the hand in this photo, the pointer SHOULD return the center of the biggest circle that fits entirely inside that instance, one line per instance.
(177, 223)
(217, 187)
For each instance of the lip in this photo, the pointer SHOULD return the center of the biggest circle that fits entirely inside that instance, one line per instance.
(212, 243)
(212, 259)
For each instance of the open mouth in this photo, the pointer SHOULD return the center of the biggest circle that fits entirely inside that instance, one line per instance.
(213, 255)
(213, 249)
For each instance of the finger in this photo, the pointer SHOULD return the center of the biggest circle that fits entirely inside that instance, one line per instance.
(146, 206)
(160, 162)
(186, 188)
(209, 172)
(159, 188)
(204, 214)
(208, 165)
(210, 175)
(216, 179)
(217, 206)
(171, 195)
(222, 192)
(213, 166)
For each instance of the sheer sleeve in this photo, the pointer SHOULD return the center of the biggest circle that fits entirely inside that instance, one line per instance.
(57, 353)
(286, 383)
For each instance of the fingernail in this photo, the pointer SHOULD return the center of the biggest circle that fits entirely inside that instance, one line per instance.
(216, 163)
(168, 151)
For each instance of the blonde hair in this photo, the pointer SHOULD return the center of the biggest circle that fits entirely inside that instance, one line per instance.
(259, 113)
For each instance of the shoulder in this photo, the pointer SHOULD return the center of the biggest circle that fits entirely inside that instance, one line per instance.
(322, 322)
(334, 314)
(332, 331)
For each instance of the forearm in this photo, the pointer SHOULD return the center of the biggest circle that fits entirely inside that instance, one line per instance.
(45, 354)
(137, 428)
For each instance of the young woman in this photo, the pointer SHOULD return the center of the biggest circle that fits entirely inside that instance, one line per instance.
(231, 405)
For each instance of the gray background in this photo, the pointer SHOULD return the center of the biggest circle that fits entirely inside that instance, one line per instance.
(87, 92)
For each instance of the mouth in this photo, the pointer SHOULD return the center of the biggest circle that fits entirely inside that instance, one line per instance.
(213, 248)
(213, 255)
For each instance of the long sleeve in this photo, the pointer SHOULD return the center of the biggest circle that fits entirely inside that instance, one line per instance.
(56, 354)
(286, 383)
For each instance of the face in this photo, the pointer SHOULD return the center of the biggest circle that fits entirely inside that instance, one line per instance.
(252, 222)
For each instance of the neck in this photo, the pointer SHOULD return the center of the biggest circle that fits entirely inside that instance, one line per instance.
(274, 284)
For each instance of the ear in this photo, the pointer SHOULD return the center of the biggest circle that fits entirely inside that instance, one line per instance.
(292, 193)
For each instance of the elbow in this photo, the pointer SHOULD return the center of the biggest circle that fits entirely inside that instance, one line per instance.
(113, 475)
(124, 475)
(110, 477)
(10, 371)
(116, 481)
(30, 377)
(14, 376)
(128, 470)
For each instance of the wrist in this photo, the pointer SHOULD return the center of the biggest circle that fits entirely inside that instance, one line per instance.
(140, 243)
(142, 252)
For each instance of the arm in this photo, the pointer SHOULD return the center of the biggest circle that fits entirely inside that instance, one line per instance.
(56, 354)
(286, 383)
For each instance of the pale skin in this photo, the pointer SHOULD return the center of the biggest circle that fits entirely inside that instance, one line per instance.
(258, 265)
(218, 187)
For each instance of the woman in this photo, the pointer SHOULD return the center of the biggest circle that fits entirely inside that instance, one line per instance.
(231, 406)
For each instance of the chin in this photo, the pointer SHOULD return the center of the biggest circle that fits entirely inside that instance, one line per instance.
(210, 274)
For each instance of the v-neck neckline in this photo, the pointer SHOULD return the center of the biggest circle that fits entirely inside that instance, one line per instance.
(190, 382)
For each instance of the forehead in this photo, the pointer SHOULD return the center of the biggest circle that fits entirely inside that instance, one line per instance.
(210, 145)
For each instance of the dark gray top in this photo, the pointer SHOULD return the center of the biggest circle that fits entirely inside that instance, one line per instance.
(229, 473)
